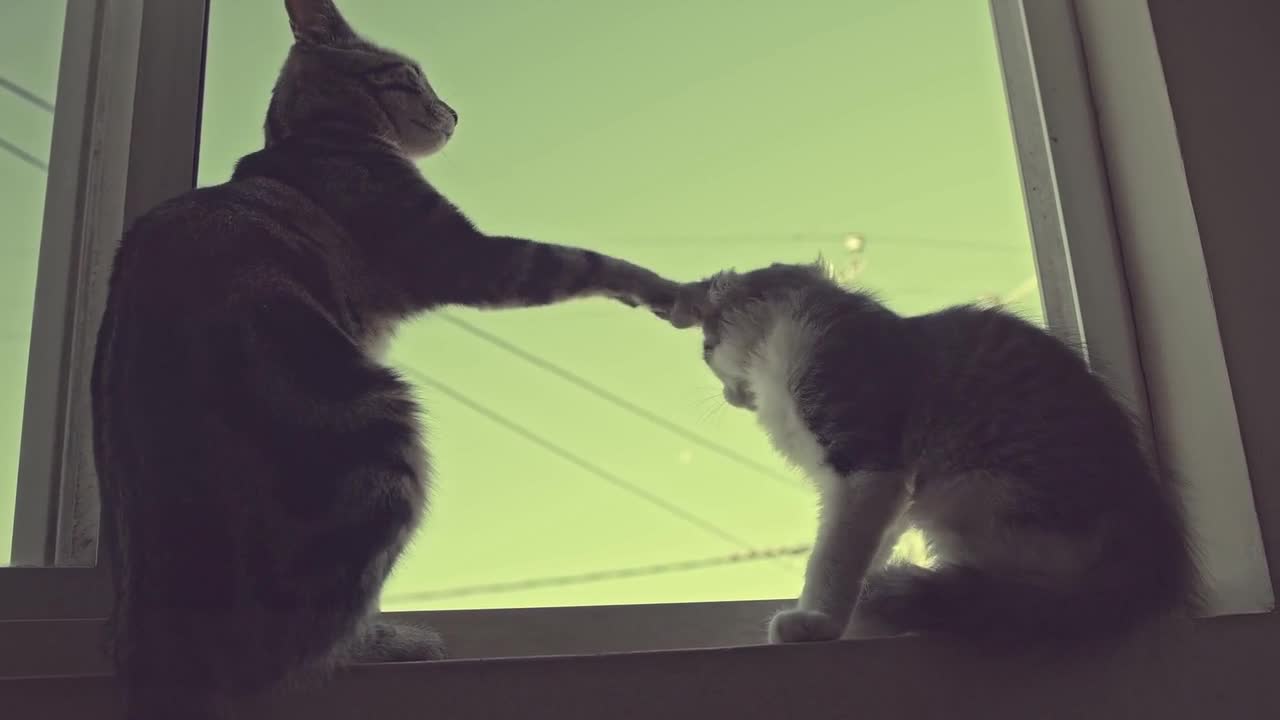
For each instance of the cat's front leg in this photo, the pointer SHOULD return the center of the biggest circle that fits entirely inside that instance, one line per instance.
(857, 513)
(504, 272)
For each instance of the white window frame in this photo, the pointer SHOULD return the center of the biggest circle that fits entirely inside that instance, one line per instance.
(125, 74)
(1114, 235)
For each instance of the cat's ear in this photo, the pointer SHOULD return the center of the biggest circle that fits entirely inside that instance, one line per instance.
(318, 22)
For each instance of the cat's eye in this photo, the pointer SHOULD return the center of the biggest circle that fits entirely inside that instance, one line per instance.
(397, 83)
(394, 77)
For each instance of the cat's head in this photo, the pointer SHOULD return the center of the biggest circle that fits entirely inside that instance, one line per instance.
(735, 311)
(333, 77)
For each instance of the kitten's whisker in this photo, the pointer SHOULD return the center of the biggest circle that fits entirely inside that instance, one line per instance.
(711, 407)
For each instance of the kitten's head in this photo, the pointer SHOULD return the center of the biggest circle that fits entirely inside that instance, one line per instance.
(334, 77)
(735, 311)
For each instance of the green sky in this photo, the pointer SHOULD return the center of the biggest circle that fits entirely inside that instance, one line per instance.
(687, 136)
(30, 45)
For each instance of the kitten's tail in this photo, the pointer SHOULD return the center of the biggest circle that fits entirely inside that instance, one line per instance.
(1130, 586)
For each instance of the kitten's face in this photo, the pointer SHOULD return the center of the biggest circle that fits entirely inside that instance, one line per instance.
(727, 336)
(736, 311)
(333, 75)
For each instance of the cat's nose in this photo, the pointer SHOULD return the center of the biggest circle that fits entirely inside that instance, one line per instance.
(452, 112)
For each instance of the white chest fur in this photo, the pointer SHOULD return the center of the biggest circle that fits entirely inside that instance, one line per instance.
(779, 360)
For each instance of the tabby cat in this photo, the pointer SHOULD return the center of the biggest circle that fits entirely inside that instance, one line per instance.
(1047, 525)
(260, 469)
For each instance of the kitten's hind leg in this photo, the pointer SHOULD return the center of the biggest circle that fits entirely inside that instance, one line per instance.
(857, 514)
(861, 625)
(384, 641)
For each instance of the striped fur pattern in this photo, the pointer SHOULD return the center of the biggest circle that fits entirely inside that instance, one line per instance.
(1047, 525)
(260, 469)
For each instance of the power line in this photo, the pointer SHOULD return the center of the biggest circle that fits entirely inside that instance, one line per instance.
(808, 241)
(584, 464)
(609, 396)
(603, 575)
(23, 155)
(39, 102)
(25, 94)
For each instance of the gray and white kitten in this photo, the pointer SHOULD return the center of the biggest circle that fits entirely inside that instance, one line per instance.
(1047, 523)
(260, 469)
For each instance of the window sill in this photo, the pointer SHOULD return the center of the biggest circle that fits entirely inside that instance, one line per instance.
(63, 648)
(1213, 668)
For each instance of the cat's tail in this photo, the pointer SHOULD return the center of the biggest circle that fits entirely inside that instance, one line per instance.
(1124, 590)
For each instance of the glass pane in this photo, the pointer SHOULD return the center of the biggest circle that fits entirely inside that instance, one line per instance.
(582, 453)
(30, 48)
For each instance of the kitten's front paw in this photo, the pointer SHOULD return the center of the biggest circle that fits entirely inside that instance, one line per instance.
(791, 626)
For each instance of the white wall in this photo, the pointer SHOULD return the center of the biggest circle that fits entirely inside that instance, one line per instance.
(1221, 61)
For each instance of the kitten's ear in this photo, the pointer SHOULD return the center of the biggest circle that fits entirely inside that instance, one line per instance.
(826, 269)
(318, 22)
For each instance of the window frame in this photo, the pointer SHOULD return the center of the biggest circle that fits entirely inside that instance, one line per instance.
(124, 74)
(95, 84)
(1192, 409)
(1107, 146)
(1101, 256)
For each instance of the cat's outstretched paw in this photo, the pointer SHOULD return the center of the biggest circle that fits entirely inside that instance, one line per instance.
(681, 305)
(791, 626)
(688, 307)
(648, 290)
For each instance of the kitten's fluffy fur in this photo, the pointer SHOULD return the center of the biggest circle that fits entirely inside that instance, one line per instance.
(260, 469)
(1025, 474)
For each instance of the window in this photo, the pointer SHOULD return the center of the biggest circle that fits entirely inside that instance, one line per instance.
(583, 455)
(821, 132)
